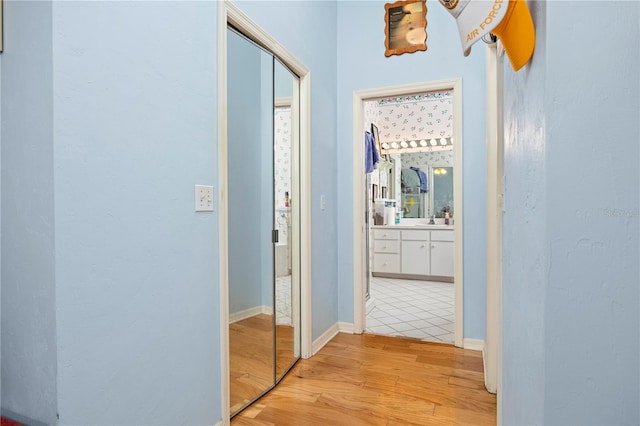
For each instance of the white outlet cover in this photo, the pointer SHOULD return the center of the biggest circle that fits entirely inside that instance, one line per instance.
(204, 198)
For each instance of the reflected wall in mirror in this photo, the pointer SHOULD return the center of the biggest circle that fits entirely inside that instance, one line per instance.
(262, 139)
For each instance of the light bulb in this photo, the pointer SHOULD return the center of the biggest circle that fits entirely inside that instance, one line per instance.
(443, 141)
(385, 146)
(394, 145)
(451, 140)
(413, 144)
(423, 142)
(443, 171)
(433, 142)
(404, 144)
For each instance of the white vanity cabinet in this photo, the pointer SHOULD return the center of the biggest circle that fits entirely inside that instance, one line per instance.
(412, 251)
(415, 252)
(386, 251)
(442, 253)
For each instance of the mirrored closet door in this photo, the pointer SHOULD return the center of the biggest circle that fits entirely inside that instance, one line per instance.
(263, 225)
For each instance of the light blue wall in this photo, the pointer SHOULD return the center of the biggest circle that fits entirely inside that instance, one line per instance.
(310, 34)
(136, 268)
(571, 242)
(28, 282)
(525, 250)
(362, 65)
(592, 306)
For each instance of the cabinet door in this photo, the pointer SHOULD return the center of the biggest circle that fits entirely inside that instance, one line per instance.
(442, 258)
(415, 257)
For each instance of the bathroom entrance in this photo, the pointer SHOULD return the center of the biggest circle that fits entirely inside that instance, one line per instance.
(408, 248)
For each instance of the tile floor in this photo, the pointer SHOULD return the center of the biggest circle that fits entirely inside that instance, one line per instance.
(411, 308)
(283, 300)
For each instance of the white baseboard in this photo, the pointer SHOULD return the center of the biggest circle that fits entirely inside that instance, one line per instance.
(248, 313)
(473, 344)
(321, 341)
(339, 327)
(346, 327)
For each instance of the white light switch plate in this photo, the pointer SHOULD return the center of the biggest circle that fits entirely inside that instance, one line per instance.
(204, 198)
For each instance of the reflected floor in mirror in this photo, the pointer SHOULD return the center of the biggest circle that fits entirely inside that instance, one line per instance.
(283, 300)
(251, 348)
(251, 356)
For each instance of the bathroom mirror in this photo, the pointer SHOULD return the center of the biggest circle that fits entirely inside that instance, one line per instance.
(414, 201)
(263, 217)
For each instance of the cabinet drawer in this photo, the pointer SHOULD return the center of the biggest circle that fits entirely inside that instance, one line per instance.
(415, 235)
(386, 246)
(441, 235)
(383, 262)
(386, 234)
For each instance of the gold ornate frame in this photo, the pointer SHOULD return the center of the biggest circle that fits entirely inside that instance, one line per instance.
(405, 27)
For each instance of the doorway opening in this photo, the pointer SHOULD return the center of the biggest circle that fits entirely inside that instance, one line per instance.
(396, 250)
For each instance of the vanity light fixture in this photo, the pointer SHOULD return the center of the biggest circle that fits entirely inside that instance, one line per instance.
(433, 142)
(443, 141)
(404, 144)
(440, 171)
(413, 144)
(423, 142)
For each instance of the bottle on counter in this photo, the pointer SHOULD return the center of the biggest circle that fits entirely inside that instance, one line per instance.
(446, 218)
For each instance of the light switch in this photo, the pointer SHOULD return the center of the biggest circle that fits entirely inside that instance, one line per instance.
(204, 198)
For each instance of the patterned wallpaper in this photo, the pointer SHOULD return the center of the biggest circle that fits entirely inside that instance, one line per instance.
(282, 139)
(412, 117)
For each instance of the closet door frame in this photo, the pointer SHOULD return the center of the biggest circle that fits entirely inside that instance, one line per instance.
(229, 14)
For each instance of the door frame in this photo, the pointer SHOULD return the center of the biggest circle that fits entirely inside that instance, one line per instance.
(228, 13)
(495, 208)
(359, 226)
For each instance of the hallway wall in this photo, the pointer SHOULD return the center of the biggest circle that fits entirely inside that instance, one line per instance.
(571, 234)
(28, 283)
(362, 65)
(129, 311)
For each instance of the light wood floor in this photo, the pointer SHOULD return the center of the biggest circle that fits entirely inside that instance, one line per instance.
(379, 380)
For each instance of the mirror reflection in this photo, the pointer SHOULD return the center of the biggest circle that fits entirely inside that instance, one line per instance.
(251, 334)
(287, 328)
(264, 301)
(423, 183)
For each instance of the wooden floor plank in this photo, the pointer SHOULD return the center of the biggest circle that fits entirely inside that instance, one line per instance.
(378, 380)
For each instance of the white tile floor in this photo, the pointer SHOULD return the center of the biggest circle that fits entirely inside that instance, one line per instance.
(411, 308)
(283, 300)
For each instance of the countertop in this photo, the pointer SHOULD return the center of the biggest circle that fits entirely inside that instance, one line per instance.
(416, 226)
